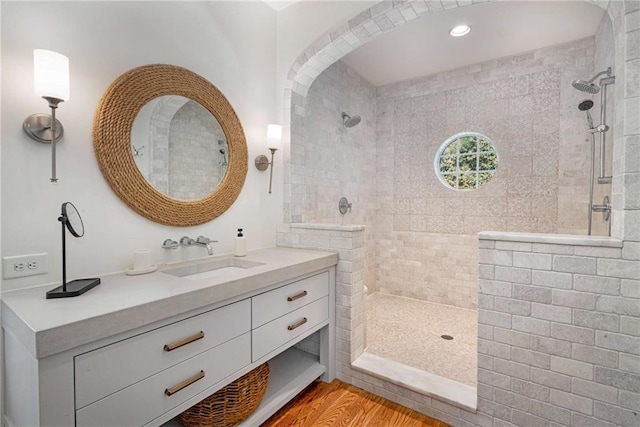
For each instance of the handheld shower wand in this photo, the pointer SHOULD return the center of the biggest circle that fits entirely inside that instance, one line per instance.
(585, 106)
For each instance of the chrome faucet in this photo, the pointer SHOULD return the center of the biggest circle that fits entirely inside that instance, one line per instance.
(200, 241)
(206, 242)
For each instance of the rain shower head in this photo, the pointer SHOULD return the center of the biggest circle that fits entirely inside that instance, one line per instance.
(584, 86)
(590, 86)
(349, 121)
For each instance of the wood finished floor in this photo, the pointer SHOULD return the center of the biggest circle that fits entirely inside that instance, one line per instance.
(340, 404)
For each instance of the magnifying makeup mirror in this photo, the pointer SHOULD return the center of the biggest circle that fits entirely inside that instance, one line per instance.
(71, 220)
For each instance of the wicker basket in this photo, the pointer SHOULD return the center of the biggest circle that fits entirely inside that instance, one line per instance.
(230, 405)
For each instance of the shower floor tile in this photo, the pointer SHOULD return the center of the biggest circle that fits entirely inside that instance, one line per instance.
(408, 331)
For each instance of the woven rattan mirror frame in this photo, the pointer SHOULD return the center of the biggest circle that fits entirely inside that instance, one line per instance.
(112, 125)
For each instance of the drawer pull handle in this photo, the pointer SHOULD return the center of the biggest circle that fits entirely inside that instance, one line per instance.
(185, 341)
(298, 296)
(186, 383)
(298, 323)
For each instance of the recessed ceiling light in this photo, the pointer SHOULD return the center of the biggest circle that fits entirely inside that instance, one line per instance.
(460, 30)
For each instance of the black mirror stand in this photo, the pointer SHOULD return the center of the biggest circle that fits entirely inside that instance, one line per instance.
(74, 287)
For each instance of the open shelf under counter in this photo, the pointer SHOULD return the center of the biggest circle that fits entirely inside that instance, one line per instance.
(290, 372)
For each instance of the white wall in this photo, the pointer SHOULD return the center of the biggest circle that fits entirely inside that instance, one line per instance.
(232, 44)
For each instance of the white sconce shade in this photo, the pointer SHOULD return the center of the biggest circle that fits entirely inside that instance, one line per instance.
(274, 139)
(50, 74)
(274, 136)
(50, 81)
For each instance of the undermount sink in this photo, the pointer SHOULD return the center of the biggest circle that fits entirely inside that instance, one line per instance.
(207, 269)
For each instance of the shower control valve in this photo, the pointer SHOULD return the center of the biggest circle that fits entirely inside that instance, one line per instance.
(605, 208)
(344, 205)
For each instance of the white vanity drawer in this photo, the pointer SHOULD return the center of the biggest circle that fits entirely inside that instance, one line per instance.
(146, 400)
(106, 370)
(268, 337)
(278, 302)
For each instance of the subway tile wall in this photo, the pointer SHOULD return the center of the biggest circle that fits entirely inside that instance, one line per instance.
(435, 267)
(558, 337)
(194, 168)
(339, 161)
(182, 163)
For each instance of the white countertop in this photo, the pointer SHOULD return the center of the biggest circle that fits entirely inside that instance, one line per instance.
(122, 303)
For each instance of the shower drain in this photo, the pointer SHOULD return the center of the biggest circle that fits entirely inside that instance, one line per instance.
(446, 337)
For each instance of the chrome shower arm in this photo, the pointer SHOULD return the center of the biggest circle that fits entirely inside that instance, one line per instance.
(607, 72)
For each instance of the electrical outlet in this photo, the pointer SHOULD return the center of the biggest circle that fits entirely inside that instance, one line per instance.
(24, 265)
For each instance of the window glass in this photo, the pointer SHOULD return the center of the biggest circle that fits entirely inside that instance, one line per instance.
(466, 161)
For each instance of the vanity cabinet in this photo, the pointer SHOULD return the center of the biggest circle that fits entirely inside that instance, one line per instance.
(281, 315)
(142, 402)
(269, 306)
(147, 376)
(274, 334)
(106, 370)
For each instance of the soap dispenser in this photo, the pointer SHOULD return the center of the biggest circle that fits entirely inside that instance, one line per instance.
(240, 247)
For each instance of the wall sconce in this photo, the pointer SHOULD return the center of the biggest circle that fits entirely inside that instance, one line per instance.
(274, 138)
(50, 81)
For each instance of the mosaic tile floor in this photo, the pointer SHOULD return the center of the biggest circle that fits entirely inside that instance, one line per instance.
(409, 331)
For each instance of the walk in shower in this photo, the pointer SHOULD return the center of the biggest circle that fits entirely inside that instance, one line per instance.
(497, 145)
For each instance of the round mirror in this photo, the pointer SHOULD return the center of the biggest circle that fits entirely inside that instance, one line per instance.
(120, 155)
(179, 147)
(72, 219)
